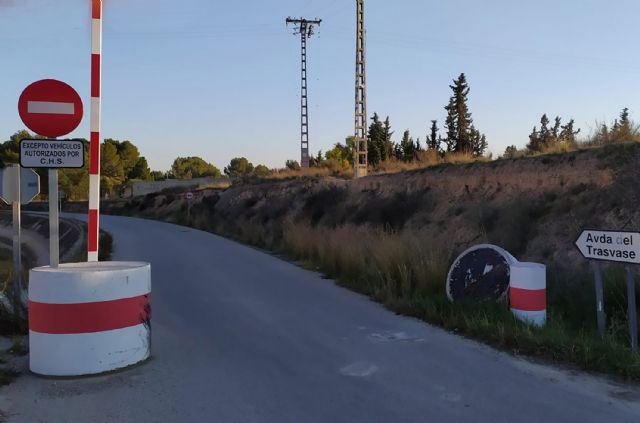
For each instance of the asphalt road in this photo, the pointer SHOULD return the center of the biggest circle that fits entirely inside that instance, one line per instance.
(241, 336)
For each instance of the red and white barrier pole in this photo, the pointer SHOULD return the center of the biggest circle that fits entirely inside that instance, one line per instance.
(94, 163)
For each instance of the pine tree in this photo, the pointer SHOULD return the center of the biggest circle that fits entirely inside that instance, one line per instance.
(624, 130)
(408, 147)
(568, 134)
(459, 122)
(376, 141)
(555, 131)
(538, 140)
(460, 132)
(387, 151)
(510, 152)
(433, 142)
(479, 142)
(450, 122)
(534, 140)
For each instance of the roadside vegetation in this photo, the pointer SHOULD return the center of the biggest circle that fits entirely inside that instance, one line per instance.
(392, 237)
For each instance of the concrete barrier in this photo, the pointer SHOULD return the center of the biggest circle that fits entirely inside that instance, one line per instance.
(89, 318)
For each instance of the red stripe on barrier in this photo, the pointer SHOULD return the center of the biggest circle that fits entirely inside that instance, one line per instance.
(96, 9)
(95, 75)
(102, 316)
(93, 231)
(94, 154)
(527, 299)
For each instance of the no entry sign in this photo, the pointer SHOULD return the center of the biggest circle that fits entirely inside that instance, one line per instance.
(50, 108)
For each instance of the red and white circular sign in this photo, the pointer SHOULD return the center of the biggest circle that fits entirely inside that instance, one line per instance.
(50, 108)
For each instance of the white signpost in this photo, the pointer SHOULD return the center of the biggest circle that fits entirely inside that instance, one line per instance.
(619, 247)
(189, 197)
(18, 186)
(52, 154)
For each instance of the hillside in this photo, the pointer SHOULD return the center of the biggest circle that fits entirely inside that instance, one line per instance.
(534, 207)
(393, 237)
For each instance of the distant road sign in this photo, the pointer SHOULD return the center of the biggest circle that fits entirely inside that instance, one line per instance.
(616, 246)
(29, 185)
(51, 154)
(50, 108)
(189, 196)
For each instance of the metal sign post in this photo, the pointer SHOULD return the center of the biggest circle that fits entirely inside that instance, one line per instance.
(601, 318)
(619, 247)
(54, 216)
(17, 245)
(631, 310)
(189, 200)
(17, 187)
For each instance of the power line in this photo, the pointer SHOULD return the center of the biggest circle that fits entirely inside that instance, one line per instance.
(304, 28)
(360, 159)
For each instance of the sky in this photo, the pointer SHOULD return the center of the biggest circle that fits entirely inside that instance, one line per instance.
(221, 79)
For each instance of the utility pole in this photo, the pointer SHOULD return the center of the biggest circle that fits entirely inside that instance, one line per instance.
(304, 28)
(360, 159)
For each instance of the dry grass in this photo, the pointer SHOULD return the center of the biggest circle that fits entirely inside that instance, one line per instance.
(427, 159)
(311, 172)
(384, 264)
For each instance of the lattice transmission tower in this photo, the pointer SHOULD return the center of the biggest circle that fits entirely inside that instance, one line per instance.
(360, 159)
(304, 28)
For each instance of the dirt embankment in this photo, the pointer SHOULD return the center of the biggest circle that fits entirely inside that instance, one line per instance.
(534, 207)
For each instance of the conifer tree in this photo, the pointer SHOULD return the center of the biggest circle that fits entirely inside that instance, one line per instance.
(387, 152)
(408, 147)
(479, 142)
(459, 122)
(433, 142)
(376, 141)
(458, 117)
(624, 128)
(568, 134)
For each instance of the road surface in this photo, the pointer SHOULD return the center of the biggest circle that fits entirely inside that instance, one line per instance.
(241, 336)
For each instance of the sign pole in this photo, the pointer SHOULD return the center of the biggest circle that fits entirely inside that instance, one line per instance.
(17, 246)
(597, 270)
(632, 315)
(54, 216)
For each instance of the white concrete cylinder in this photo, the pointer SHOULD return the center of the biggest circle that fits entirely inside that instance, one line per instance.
(89, 318)
(528, 292)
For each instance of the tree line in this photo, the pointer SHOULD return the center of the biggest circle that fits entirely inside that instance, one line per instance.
(120, 164)
(558, 137)
(461, 137)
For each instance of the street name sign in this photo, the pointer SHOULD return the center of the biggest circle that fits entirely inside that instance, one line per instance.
(52, 154)
(614, 246)
(29, 185)
(50, 108)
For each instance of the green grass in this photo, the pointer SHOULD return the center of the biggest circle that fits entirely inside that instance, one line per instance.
(18, 347)
(402, 272)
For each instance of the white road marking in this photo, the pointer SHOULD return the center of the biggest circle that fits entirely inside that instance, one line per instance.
(359, 369)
